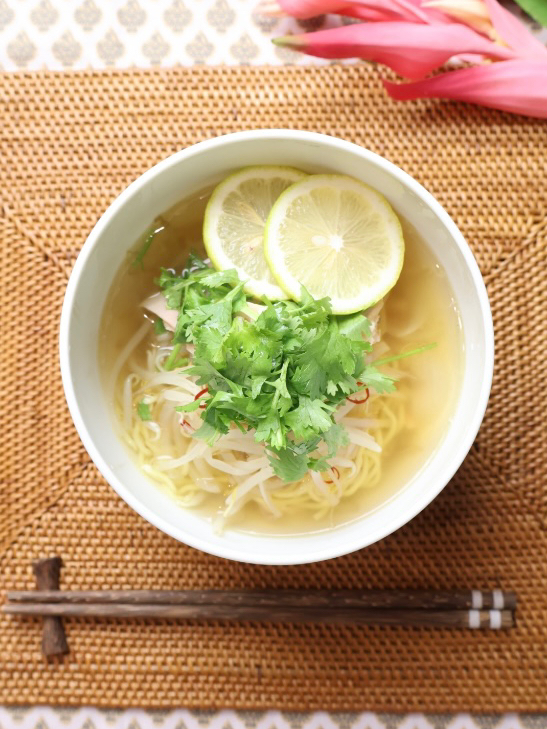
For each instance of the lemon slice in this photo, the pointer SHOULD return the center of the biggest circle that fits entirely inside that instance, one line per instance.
(233, 228)
(336, 236)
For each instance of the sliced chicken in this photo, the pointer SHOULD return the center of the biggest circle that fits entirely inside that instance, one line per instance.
(157, 304)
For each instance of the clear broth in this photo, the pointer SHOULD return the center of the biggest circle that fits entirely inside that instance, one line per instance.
(421, 302)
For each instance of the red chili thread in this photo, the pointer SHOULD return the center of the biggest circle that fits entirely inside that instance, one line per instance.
(200, 393)
(360, 401)
(336, 473)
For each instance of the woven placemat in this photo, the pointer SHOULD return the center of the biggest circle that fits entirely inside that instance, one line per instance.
(69, 144)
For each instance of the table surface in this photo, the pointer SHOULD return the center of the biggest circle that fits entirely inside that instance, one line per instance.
(80, 34)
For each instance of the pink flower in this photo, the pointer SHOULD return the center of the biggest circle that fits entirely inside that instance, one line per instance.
(518, 86)
(375, 10)
(413, 38)
(410, 49)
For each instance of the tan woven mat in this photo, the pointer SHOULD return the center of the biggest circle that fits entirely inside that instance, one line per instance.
(69, 144)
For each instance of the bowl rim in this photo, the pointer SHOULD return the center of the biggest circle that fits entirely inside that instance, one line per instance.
(202, 543)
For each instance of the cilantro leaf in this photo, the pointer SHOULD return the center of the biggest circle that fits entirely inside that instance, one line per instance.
(209, 346)
(288, 465)
(309, 417)
(207, 433)
(335, 437)
(143, 411)
(270, 430)
(354, 326)
(159, 327)
(189, 407)
(377, 381)
(196, 263)
(279, 373)
(217, 278)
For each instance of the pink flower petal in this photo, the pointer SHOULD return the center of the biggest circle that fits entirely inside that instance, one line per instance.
(514, 33)
(375, 10)
(433, 15)
(410, 49)
(516, 86)
(472, 13)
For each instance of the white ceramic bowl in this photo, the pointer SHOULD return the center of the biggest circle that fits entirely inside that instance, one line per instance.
(191, 170)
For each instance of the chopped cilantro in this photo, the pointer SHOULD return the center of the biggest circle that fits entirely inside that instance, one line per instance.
(143, 411)
(288, 465)
(281, 375)
(404, 355)
(159, 327)
(174, 360)
(156, 228)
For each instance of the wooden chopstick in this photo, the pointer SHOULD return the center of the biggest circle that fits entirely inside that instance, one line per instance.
(492, 619)
(333, 599)
(464, 609)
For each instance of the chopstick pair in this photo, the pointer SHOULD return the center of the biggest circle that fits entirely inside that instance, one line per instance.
(474, 609)
(459, 609)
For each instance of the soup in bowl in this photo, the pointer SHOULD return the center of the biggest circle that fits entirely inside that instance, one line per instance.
(276, 347)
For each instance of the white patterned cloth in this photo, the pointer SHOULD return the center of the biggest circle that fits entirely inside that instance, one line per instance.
(79, 34)
(45, 718)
